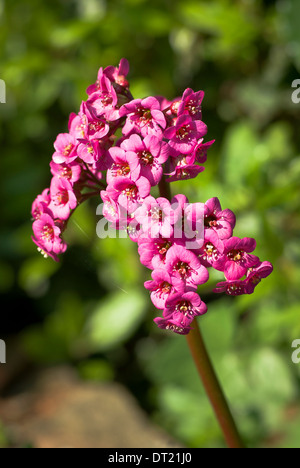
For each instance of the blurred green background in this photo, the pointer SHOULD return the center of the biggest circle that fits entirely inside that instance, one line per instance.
(91, 309)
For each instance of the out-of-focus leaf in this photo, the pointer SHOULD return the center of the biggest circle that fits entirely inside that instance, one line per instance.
(114, 319)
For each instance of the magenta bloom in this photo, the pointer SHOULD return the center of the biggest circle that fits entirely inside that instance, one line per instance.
(212, 249)
(232, 288)
(182, 170)
(200, 151)
(255, 275)
(63, 198)
(163, 286)
(78, 124)
(218, 220)
(118, 75)
(237, 258)
(47, 235)
(151, 153)
(104, 101)
(89, 151)
(71, 171)
(65, 146)
(191, 104)
(185, 265)
(246, 286)
(188, 304)
(153, 251)
(122, 164)
(156, 217)
(129, 193)
(40, 204)
(177, 323)
(184, 134)
(143, 116)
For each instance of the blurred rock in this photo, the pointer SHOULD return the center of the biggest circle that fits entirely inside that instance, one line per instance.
(57, 410)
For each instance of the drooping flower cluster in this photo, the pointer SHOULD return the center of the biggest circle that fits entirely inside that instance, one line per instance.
(162, 141)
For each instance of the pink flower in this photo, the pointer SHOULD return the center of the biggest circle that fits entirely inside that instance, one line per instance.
(163, 286)
(78, 124)
(71, 171)
(182, 169)
(236, 258)
(66, 148)
(231, 288)
(151, 153)
(153, 251)
(185, 265)
(191, 104)
(63, 198)
(47, 235)
(89, 151)
(112, 211)
(143, 116)
(118, 75)
(184, 134)
(128, 192)
(200, 151)
(188, 304)
(104, 101)
(255, 275)
(177, 323)
(96, 127)
(122, 164)
(40, 204)
(156, 217)
(212, 249)
(218, 220)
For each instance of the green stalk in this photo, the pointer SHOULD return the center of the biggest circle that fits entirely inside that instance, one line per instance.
(212, 387)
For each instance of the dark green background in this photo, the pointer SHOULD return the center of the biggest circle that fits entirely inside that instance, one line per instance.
(91, 309)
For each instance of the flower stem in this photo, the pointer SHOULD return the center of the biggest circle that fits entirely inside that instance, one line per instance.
(213, 387)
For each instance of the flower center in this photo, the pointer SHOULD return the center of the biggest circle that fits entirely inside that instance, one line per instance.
(120, 169)
(210, 221)
(165, 287)
(106, 99)
(96, 126)
(235, 255)
(183, 132)
(61, 198)
(131, 192)
(182, 268)
(146, 158)
(47, 232)
(234, 289)
(144, 114)
(192, 107)
(68, 149)
(163, 248)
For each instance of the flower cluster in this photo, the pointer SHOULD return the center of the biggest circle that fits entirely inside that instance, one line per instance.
(161, 141)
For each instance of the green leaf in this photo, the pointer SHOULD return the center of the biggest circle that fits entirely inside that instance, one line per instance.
(115, 319)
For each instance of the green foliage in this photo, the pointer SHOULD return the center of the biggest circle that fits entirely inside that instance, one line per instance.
(90, 309)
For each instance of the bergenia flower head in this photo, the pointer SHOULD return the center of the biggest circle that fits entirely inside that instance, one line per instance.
(162, 141)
